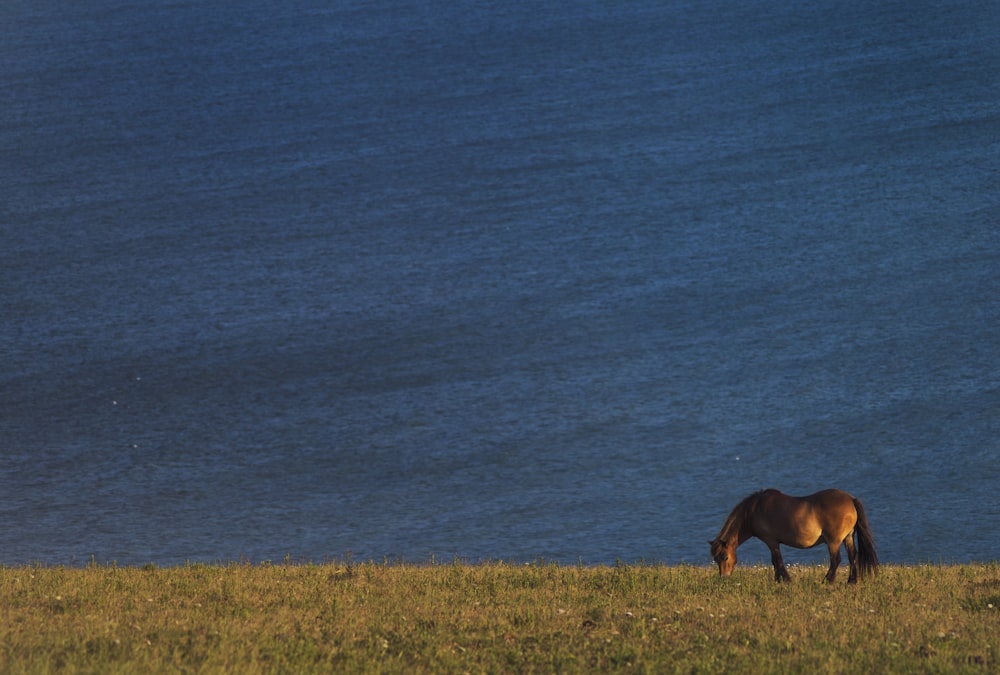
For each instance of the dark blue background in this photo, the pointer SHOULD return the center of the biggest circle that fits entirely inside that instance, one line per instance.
(433, 279)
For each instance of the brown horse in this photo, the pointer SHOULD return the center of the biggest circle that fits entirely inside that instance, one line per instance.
(829, 516)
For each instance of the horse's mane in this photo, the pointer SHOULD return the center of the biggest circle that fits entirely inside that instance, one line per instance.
(739, 515)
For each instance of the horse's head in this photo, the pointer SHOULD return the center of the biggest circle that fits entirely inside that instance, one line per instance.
(724, 556)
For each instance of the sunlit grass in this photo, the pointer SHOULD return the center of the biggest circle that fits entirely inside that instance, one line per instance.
(494, 617)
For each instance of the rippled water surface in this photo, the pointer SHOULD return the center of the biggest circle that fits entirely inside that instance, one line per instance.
(429, 279)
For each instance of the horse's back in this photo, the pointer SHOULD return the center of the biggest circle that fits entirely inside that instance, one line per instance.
(831, 498)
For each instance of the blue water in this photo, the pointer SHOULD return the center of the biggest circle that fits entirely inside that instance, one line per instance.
(435, 279)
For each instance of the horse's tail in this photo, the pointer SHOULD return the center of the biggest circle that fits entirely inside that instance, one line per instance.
(867, 558)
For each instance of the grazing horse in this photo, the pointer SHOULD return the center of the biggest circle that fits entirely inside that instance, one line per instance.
(829, 516)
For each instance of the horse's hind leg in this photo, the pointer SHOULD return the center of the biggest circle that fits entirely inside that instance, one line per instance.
(852, 558)
(780, 573)
(835, 561)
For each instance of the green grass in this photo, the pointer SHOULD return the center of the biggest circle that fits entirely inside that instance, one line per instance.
(495, 617)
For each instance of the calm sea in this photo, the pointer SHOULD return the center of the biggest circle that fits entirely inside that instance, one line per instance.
(424, 279)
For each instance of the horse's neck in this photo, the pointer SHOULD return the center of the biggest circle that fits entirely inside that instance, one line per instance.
(745, 531)
(738, 524)
(737, 528)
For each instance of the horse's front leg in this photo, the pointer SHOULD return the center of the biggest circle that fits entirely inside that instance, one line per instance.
(835, 562)
(780, 573)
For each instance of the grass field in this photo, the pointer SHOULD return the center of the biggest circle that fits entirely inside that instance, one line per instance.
(495, 617)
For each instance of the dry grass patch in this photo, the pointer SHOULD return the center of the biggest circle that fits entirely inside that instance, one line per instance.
(494, 617)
